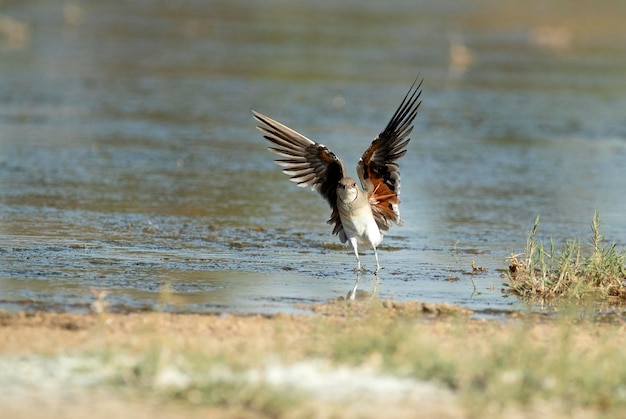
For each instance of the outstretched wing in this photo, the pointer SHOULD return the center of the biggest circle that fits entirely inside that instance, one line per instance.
(306, 162)
(377, 169)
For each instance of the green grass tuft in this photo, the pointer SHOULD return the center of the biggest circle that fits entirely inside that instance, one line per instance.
(546, 273)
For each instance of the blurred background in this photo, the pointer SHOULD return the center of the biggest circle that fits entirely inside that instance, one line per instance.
(130, 162)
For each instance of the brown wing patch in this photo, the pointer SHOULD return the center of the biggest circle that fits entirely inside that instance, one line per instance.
(377, 168)
(384, 203)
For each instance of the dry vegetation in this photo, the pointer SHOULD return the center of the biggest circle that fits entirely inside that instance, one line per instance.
(545, 273)
(350, 359)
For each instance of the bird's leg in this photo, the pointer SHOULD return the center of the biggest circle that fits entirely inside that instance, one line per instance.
(376, 257)
(353, 243)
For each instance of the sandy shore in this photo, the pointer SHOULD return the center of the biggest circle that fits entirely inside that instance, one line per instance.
(60, 365)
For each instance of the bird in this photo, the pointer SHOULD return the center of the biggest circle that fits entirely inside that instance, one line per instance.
(360, 215)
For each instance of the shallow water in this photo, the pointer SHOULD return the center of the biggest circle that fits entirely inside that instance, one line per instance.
(130, 162)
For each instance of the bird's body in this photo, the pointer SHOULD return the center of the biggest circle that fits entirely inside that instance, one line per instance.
(357, 219)
(360, 216)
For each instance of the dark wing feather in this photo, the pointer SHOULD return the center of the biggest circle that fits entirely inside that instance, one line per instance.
(377, 169)
(306, 162)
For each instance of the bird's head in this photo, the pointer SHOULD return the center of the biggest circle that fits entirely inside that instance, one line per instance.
(347, 190)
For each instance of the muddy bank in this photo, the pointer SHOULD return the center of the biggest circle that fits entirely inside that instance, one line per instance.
(165, 365)
(39, 347)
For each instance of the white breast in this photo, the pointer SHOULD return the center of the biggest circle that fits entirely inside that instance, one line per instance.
(361, 225)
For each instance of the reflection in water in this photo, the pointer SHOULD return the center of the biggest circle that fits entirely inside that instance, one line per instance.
(355, 294)
(128, 154)
(352, 293)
